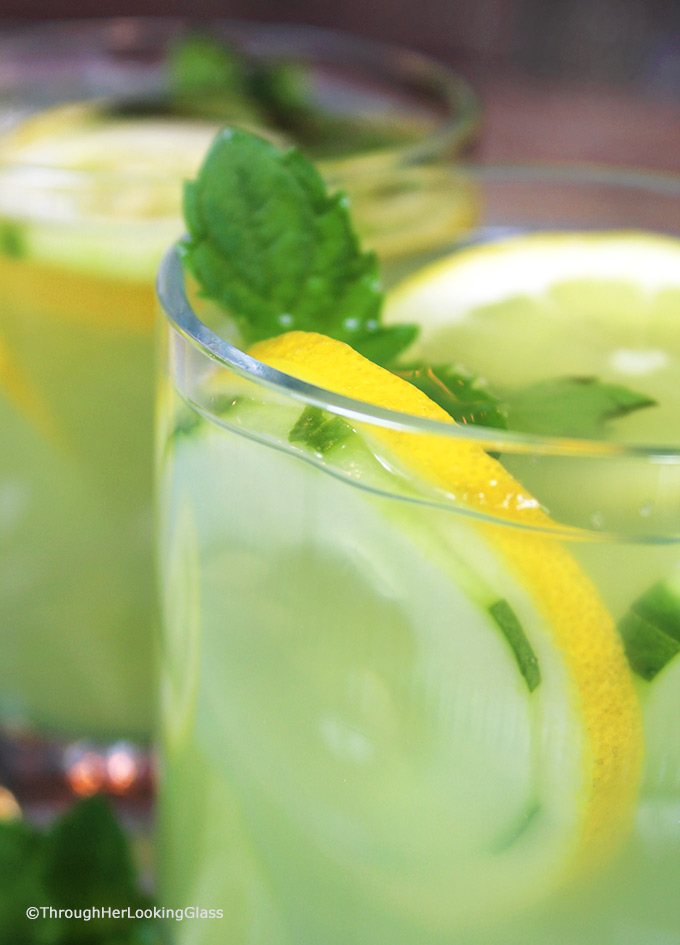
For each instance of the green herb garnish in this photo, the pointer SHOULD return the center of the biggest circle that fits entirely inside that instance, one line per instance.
(561, 406)
(508, 623)
(217, 79)
(464, 396)
(319, 431)
(651, 628)
(202, 68)
(82, 860)
(211, 77)
(278, 253)
(571, 406)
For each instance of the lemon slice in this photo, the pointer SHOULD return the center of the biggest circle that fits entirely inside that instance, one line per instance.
(600, 304)
(86, 137)
(95, 192)
(579, 763)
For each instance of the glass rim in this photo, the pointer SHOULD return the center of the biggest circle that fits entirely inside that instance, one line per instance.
(179, 312)
(312, 44)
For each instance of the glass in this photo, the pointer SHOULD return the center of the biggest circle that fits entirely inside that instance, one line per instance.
(349, 754)
(90, 196)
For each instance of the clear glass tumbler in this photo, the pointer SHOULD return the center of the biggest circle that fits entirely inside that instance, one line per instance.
(396, 707)
(90, 196)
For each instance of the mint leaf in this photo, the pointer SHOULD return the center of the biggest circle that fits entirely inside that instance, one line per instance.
(651, 629)
(211, 79)
(201, 66)
(465, 397)
(508, 623)
(563, 406)
(278, 253)
(319, 431)
(282, 89)
(21, 866)
(571, 406)
(211, 76)
(88, 858)
(82, 860)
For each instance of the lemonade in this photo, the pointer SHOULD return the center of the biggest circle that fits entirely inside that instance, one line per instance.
(419, 674)
(78, 252)
(90, 195)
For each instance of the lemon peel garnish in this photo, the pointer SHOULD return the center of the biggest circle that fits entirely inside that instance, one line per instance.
(582, 630)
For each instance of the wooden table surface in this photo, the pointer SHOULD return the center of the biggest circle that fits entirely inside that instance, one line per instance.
(526, 119)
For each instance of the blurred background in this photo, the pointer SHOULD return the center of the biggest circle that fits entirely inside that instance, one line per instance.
(593, 80)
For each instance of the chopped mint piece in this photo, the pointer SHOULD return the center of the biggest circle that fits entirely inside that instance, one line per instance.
(225, 403)
(512, 630)
(318, 431)
(464, 396)
(651, 629)
(185, 423)
(12, 241)
(520, 828)
(660, 604)
(277, 252)
(647, 647)
(571, 406)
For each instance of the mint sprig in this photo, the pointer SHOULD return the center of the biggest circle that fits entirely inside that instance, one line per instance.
(278, 252)
(213, 77)
(82, 860)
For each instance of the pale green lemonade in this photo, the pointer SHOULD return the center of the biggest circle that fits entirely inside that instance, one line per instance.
(374, 730)
(90, 196)
(78, 249)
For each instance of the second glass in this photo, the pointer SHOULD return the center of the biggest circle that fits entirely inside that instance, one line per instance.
(90, 194)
